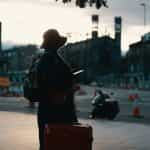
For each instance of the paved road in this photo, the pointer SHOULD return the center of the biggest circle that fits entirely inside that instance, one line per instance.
(84, 108)
(120, 94)
(83, 103)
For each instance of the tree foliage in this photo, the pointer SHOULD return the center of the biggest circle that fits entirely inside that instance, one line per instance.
(83, 3)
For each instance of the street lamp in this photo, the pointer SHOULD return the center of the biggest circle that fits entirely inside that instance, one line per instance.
(144, 6)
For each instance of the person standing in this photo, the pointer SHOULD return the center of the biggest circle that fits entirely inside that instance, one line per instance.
(55, 81)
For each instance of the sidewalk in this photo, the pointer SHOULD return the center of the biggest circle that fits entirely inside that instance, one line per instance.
(19, 132)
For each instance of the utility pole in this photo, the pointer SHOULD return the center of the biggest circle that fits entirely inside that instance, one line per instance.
(0, 37)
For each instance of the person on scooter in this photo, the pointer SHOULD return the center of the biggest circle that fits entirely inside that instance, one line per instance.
(98, 101)
(100, 98)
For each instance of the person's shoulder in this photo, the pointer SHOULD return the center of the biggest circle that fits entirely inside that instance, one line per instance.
(63, 60)
(45, 57)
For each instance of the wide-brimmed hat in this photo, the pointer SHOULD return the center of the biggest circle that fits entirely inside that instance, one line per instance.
(52, 39)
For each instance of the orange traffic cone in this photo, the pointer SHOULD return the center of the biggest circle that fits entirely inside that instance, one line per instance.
(136, 112)
(136, 109)
(130, 97)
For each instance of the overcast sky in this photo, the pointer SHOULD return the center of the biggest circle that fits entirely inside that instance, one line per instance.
(24, 21)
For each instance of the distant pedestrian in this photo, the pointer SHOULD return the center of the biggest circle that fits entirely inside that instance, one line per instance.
(55, 81)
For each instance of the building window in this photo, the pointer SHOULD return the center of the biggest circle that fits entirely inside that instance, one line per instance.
(9, 54)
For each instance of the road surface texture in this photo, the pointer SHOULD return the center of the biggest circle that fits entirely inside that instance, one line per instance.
(18, 124)
(84, 106)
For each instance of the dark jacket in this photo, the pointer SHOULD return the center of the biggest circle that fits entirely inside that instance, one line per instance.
(55, 75)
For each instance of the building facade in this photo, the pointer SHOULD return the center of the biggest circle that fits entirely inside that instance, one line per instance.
(139, 63)
(19, 60)
(98, 57)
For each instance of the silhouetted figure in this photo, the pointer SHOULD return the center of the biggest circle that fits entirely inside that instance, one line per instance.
(55, 80)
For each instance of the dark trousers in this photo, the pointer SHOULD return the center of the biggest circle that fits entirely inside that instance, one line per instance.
(55, 114)
(41, 134)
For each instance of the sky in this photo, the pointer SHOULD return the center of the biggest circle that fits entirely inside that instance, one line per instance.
(24, 21)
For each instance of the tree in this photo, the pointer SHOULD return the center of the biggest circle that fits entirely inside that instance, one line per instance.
(83, 3)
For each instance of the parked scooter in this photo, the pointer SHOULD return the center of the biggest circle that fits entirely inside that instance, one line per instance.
(104, 106)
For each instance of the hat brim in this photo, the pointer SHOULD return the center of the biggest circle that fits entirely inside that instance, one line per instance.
(62, 41)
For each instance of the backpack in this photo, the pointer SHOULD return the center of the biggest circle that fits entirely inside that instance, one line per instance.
(30, 86)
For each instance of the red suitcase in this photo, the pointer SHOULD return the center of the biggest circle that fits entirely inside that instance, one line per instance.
(68, 137)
